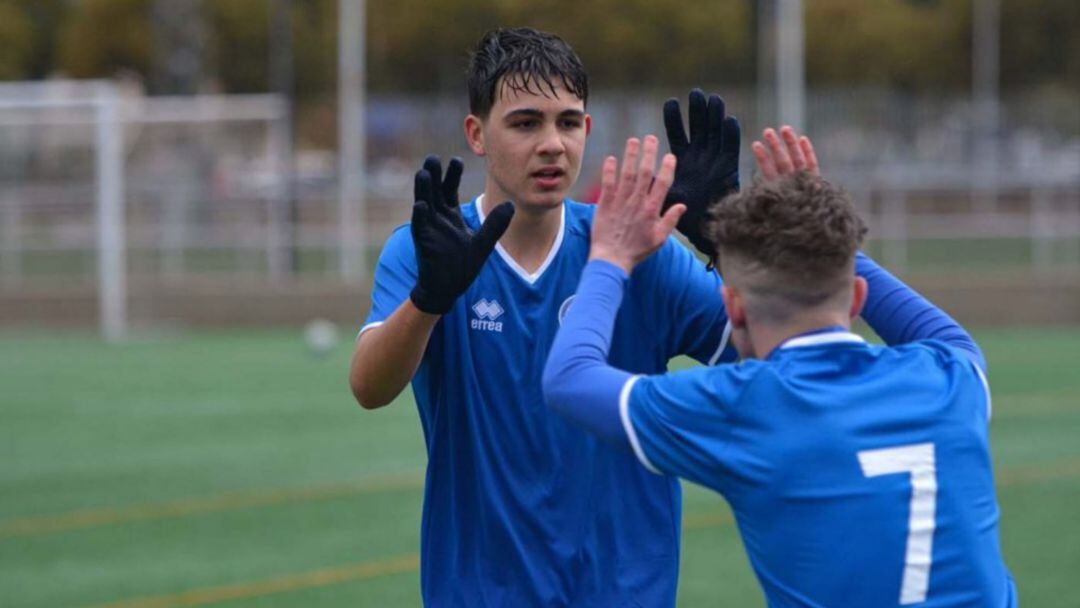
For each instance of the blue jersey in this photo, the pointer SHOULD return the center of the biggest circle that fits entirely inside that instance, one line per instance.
(859, 475)
(522, 508)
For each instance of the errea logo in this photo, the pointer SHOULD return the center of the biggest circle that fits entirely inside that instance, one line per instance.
(487, 311)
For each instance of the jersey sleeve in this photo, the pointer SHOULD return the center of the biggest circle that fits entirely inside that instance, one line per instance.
(680, 423)
(900, 315)
(971, 372)
(395, 276)
(687, 306)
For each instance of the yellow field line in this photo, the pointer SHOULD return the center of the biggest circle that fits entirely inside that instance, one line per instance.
(284, 584)
(709, 519)
(1034, 473)
(409, 563)
(28, 526)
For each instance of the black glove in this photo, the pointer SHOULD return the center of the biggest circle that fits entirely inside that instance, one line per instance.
(448, 254)
(708, 164)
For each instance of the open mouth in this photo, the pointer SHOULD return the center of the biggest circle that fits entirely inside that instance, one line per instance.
(548, 174)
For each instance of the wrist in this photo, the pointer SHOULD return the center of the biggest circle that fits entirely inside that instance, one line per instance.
(423, 301)
(623, 262)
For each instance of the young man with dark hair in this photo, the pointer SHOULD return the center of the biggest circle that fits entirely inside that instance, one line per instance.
(859, 475)
(521, 508)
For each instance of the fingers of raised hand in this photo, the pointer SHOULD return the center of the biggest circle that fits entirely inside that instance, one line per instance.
(764, 161)
(669, 220)
(493, 228)
(422, 189)
(716, 122)
(452, 181)
(808, 152)
(433, 165)
(608, 182)
(676, 134)
(791, 142)
(647, 167)
(699, 118)
(628, 174)
(732, 136)
(660, 186)
(779, 153)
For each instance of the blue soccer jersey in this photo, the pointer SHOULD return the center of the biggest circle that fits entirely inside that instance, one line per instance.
(859, 475)
(522, 508)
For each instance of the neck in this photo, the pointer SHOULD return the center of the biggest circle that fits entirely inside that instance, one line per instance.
(531, 233)
(765, 337)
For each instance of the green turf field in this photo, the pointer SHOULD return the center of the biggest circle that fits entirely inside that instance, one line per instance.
(233, 469)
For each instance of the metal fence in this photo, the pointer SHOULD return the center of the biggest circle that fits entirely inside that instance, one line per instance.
(100, 187)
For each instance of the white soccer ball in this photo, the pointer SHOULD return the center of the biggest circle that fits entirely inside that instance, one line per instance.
(321, 336)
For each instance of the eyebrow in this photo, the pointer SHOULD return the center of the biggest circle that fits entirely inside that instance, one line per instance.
(535, 113)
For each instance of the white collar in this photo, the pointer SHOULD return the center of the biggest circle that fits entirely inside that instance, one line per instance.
(526, 276)
(832, 337)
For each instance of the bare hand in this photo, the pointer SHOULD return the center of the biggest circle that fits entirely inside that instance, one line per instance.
(628, 227)
(776, 159)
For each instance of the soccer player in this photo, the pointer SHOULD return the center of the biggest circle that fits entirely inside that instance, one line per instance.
(520, 507)
(859, 475)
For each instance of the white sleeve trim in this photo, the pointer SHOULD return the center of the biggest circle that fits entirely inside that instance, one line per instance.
(723, 344)
(372, 325)
(986, 386)
(631, 434)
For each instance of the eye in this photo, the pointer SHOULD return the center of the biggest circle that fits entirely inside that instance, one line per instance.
(570, 123)
(529, 123)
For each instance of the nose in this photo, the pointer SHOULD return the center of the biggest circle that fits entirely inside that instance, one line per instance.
(551, 143)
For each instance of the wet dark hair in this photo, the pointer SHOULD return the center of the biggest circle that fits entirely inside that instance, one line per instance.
(522, 60)
(794, 239)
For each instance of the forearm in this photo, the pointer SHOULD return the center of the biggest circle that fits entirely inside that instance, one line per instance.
(578, 383)
(387, 356)
(899, 314)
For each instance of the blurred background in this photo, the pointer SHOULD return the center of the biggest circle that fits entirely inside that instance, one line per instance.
(193, 194)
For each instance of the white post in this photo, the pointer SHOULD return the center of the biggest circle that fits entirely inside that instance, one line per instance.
(986, 28)
(109, 169)
(894, 229)
(279, 140)
(790, 64)
(11, 243)
(1042, 231)
(352, 136)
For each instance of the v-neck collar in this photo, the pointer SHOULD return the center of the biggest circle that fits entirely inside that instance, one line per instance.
(525, 275)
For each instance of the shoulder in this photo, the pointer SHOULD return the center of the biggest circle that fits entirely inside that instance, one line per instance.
(676, 266)
(708, 386)
(579, 217)
(936, 351)
(399, 242)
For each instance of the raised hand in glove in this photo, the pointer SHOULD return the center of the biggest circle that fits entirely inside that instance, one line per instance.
(708, 164)
(448, 254)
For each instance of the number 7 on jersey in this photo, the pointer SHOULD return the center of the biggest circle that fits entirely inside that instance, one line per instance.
(918, 461)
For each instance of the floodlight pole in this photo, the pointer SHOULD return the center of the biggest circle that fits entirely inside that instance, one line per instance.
(112, 262)
(352, 136)
(986, 98)
(790, 63)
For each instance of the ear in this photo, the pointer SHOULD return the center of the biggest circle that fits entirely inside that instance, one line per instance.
(733, 304)
(588, 125)
(858, 296)
(474, 134)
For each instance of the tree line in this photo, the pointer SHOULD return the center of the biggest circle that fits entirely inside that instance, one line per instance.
(238, 46)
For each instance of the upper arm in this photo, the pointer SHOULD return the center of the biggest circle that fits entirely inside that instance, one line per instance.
(395, 277)
(686, 301)
(899, 314)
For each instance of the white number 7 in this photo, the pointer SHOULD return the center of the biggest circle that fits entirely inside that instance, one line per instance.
(918, 460)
